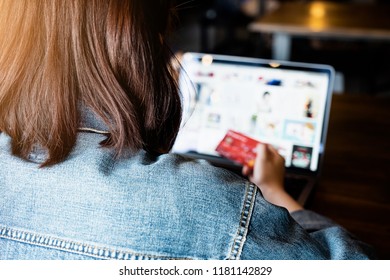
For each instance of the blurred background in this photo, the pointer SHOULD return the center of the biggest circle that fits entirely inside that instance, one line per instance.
(354, 189)
(221, 27)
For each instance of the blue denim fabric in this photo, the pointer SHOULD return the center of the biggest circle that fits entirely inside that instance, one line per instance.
(92, 206)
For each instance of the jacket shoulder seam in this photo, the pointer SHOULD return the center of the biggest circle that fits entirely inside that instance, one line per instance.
(246, 214)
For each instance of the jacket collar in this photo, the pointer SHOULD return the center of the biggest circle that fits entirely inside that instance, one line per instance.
(91, 122)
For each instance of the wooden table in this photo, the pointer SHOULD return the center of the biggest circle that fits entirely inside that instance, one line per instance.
(354, 188)
(323, 19)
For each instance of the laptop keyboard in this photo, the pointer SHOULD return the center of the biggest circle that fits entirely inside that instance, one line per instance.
(294, 186)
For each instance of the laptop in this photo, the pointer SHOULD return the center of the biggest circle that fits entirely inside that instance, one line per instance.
(285, 104)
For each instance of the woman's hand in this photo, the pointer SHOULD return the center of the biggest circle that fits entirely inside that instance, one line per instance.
(268, 174)
(268, 170)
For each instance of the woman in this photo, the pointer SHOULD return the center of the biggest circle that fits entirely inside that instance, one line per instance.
(88, 112)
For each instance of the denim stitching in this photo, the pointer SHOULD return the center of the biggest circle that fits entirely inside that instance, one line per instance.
(246, 214)
(76, 247)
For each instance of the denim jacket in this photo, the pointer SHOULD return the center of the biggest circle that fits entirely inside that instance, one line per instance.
(92, 206)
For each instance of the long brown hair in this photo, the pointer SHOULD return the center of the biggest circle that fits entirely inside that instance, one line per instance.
(109, 55)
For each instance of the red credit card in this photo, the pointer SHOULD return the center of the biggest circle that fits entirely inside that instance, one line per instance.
(238, 148)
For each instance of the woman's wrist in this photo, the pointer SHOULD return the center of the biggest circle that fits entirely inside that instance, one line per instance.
(271, 190)
(278, 196)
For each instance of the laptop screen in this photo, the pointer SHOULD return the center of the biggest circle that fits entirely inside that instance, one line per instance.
(285, 104)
